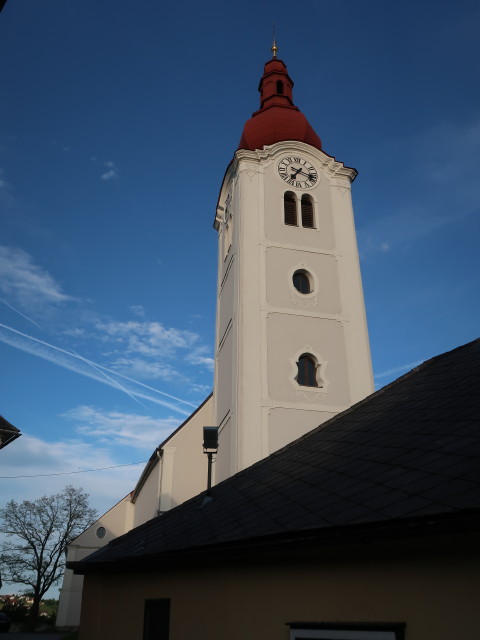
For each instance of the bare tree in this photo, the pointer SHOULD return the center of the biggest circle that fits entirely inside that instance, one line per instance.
(38, 532)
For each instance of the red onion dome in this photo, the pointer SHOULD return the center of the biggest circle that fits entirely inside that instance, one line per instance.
(278, 118)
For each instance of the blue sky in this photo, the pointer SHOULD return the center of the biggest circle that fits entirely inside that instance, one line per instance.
(117, 121)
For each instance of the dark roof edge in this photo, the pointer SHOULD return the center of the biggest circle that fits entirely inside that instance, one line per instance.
(8, 432)
(200, 406)
(13, 436)
(5, 424)
(455, 522)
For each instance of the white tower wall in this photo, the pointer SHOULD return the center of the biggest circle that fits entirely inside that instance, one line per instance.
(264, 324)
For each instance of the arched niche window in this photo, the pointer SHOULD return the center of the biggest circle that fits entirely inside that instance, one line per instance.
(307, 371)
(308, 219)
(301, 281)
(280, 87)
(290, 208)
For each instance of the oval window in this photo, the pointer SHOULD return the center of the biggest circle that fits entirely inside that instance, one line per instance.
(301, 282)
(101, 531)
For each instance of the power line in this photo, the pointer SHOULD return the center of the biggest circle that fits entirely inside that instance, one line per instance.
(66, 473)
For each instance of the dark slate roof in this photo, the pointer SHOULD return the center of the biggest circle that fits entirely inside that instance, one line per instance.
(408, 453)
(8, 433)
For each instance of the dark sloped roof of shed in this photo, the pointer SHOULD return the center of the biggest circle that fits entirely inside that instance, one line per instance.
(408, 451)
(8, 432)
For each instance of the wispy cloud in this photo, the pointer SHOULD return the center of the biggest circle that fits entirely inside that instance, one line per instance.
(124, 429)
(144, 369)
(406, 225)
(26, 283)
(138, 310)
(102, 371)
(148, 348)
(128, 351)
(3, 182)
(35, 456)
(109, 175)
(6, 191)
(438, 158)
(198, 356)
(455, 154)
(23, 315)
(75, 332)
(150, 339)
(81, 365)
(108, 168)
(397, 370)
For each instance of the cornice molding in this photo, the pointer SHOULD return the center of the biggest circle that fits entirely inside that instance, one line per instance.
(333, 167)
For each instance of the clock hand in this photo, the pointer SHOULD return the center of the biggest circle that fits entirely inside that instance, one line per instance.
(310, 176)
(297, 171)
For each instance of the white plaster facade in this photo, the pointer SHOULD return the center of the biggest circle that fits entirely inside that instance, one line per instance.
(115, 522)
(179, 470)
(176, 471)
(264, 324)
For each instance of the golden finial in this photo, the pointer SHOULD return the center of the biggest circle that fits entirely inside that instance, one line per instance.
(274, 46)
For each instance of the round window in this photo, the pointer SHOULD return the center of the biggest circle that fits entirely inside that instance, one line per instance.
(101, 531)
(301, 282)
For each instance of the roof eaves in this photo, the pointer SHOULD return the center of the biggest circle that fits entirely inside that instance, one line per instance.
(458, 522)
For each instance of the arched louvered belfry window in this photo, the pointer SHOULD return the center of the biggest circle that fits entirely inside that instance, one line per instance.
(280, 87)
(290, 208)
(308, 219)
(307, 371)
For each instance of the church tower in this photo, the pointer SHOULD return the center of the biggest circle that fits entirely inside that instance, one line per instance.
(291, 346)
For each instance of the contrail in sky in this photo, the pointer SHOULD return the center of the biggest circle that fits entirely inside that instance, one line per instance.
(114, 382)
(20, 313)
(24, 346)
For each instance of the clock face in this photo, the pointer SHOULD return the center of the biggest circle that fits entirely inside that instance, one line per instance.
(297, 172)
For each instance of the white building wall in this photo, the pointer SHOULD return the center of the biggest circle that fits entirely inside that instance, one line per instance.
(264, 324)
(146, 502)
(178, 473)
(115, 522)
(189, 471)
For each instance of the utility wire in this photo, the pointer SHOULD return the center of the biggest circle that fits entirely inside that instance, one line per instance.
(66, 473)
